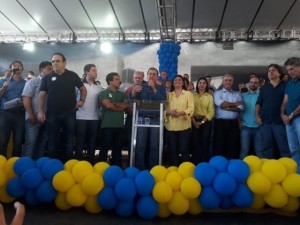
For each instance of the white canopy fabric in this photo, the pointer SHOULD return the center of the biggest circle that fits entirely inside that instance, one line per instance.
(147, 20)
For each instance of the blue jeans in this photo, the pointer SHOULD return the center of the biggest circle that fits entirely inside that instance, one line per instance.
(179, 143)
(277, 132)
(250, 135)
(86, 131)
(293, 136)
(12, 122)
(61, 125)
(35, 140)
(143, 133)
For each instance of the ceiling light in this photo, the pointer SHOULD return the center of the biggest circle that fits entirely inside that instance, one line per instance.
(106, 47)
(29, 46)
(109, 21)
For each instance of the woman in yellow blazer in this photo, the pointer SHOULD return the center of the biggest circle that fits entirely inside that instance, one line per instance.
(179, 110)
(202, 121)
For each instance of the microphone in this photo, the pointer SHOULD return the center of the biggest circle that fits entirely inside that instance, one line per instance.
(14, 70)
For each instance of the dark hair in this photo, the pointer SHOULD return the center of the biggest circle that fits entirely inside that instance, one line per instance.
(197, 88)
(152, 68)
(44, 64)
(110, 77)
(293, 61)
(31, 72)
(58, 53)
(16, 61)
(278, 68)
(207, 76)
(172, 85)
(87, 67)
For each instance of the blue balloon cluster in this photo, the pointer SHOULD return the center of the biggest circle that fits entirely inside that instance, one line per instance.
(223, 183)
(167, 56)
(34, 179)
(127, 192)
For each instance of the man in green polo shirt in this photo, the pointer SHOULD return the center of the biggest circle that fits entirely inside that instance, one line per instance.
(113, 104)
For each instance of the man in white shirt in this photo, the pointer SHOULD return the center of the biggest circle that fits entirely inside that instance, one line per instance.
(87, 116)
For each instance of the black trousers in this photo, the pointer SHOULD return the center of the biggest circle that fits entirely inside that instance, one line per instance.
(226, 141)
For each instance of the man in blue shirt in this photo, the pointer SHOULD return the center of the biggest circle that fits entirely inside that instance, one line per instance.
(35, 131)
(12, 115)
(150, 91)
(226, 127)
(268, 114)
(249, 132)
(290, 108)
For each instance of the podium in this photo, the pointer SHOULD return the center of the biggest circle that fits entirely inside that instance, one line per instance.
(149, 106)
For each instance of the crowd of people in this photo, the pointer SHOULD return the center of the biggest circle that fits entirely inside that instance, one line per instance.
(61, 115)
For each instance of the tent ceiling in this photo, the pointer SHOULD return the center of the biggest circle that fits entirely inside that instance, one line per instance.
(147, 20)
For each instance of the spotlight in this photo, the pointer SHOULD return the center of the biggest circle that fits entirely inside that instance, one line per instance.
(106, 47)
(29, 46)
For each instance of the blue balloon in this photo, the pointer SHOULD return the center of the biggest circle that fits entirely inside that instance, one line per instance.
(32, 178)
(242, 197)
(112, 175)
(41, 162)
(220, 163)
(31, 198)
(298, 170)
(45, 192)
(205, 173)
(224, 184)
(131, 172)
(239, 170)
(147, 207)
(125, 189)
(23, 164)
(209, 198)
(14, 188)
(144, 182)
(107, 198)
(125, 209)
(226, 202)
(158, 52)
(52, 167)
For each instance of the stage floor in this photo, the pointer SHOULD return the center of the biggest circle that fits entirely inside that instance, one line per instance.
(50, 215)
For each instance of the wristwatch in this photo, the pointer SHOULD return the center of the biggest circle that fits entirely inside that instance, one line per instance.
(202, 121)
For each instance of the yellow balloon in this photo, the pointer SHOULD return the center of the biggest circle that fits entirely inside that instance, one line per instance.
(92, 184)
(81, 170)
(291, 184)
(92, 205)
(159, 173)
(259, 183)
(63, 181)
(163, 210)
(258, 202)
(174, 179)
(61, 201)
(4, 197)
(3, 177)
(190, 188)
(172, 168)
(275, 170)
(194, 207)
(76, 196)
(2, 161)
(178, 204)
(290, 165)
(9, 167)
(69, 164)
(100, 167)
(186, 169)
(276, 197)
(162, 192)
(253, 162)
(292, 205)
